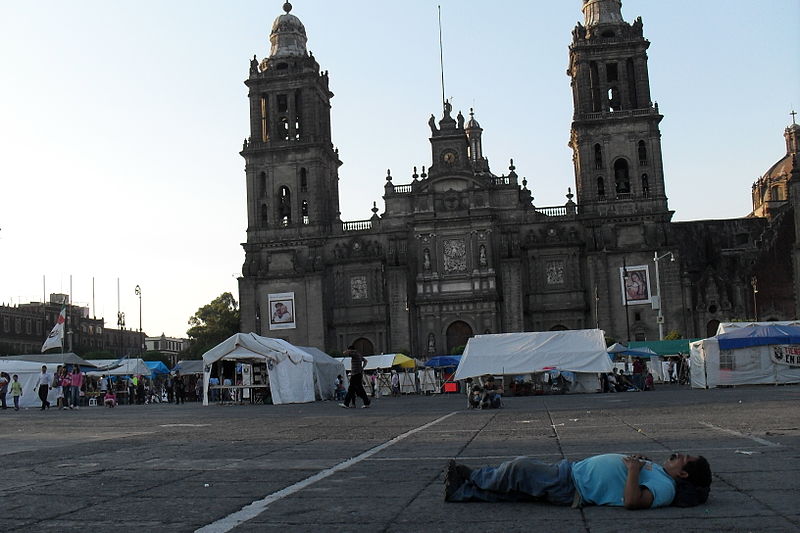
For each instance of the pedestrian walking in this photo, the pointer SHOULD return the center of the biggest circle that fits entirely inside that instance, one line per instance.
(180, 389)
(356, 387)
(5, 379)
(43, 384)
(76, 383)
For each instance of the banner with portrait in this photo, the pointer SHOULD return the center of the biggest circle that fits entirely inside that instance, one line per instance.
(635, 284)
(281, 311)
(788, 354)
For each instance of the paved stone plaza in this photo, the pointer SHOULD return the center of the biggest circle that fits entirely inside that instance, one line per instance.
(318, 467)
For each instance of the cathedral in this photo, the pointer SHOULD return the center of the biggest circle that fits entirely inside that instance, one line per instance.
(462, 250)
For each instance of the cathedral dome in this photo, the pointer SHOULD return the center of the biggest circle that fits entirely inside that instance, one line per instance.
(288, 36)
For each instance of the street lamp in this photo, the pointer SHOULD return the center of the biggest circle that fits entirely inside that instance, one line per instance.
(660, 319)
(625, 293)
(754, 284)
(138, 292)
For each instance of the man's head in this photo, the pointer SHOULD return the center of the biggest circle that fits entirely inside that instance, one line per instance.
(16, 377)
(44, 369)
(692, 477)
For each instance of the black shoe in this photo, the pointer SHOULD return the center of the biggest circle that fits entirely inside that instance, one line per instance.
(455, 476)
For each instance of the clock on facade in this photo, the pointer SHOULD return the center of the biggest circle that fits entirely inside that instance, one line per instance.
(449, 157)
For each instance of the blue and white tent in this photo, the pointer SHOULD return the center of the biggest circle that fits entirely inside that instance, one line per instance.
(750, 354)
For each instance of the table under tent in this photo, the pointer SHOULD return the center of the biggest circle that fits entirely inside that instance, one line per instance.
(289, 370)
(747, 354)
(379, 364)
(444, 367)
(577, 356)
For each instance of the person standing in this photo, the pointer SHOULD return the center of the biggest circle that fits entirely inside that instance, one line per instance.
(43, 386)
(16, 391)
(170, 388)
(4, 381)
(103, 386)
(180, 389)
(356, 388)
(76, 382)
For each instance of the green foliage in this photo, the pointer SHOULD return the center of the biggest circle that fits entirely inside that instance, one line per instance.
(609, 341)
(212, 324)
(458, 350)
(673, 335)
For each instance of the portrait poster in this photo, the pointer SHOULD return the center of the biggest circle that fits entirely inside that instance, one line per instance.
(636, 286)
(281, 311)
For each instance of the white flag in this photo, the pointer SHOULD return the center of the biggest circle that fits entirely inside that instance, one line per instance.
(56, 337)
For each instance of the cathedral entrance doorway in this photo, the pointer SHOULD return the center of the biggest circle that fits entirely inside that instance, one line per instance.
(458, 333)
(364, 346)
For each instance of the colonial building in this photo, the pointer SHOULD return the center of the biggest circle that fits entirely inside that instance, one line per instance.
(462, 250)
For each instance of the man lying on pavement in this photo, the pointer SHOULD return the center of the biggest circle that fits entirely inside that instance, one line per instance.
(632, 481)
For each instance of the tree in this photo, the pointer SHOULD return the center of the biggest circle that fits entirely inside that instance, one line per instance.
(212, 324)
(673, 335)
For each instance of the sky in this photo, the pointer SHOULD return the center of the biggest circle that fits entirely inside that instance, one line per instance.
(121, 122)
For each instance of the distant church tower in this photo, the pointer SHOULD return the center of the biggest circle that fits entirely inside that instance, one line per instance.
(292, 176)
(615, 136)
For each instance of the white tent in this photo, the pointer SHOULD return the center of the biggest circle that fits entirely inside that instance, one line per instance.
(580, 351)
(28, 373)
(747, 354)
(290, 369)
(326, 368)
(127, 367)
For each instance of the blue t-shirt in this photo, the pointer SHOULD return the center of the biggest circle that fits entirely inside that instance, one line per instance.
(600, 480)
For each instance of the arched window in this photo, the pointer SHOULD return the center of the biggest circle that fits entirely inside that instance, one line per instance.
(303, 180)
(283, 128)
(711, 328)
(645, 186)
(601, 188)
(285, 206)
(775, 193)
(364, 346)
(264, 215)
(262, 184)
(304, 212)
(642, 154)
(622, 180)
(598, 157)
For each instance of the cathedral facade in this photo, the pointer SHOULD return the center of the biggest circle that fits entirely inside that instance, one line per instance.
(462, 250)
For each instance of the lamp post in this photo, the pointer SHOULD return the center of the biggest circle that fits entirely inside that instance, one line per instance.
(754, 284)
(625, 294)
(660, 319)
(138, 292)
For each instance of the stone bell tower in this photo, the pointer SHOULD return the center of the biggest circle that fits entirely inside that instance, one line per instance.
(615, 136)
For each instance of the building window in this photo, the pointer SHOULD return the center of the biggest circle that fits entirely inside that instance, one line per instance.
(622, 180)
(612, 74)
(6, 324)
(598, 157)
(642, 154)
(28, 326)
(17, 325)
(264, 215)
(285, 206)
(264, 119)
(645, 186)
(601, 188)
(304, 212)
(303, 180)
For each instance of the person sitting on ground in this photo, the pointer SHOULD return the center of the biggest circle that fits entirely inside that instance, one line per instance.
(110, 399)
(611, 378)
(632, 481)
(491, 394)
(474, 396)
(649, 382)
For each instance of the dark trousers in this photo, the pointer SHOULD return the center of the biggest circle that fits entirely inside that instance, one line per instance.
(3, 400)
(356, 388)
(43, 389)
(180, 395)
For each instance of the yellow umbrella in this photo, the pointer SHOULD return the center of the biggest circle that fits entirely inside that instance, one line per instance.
(403, 361)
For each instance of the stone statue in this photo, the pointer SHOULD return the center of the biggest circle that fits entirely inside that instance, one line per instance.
(426, 260)
(431, 344)
(482, 261)
(254, 67)
(460, 121)
(432, 124)
(448, 108)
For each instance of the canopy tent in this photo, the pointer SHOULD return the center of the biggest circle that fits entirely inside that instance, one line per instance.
(619, 349)
(725, 327)
(443, 361)
(68, 358)
(749, 355)
(579, 351)
(120, 367)
(326, 369)
(189, 366)
(664, 348)
(28, 373)
(375, 362)
(157, 368)
(290, 369)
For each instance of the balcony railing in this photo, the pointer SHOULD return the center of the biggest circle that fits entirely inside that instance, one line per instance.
(358, 225)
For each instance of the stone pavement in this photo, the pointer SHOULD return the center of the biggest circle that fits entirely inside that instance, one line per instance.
(318, 467)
